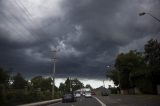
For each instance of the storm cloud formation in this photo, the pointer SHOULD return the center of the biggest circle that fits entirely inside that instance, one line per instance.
(88, 34)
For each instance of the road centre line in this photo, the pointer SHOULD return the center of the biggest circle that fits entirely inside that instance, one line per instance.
(99, 101)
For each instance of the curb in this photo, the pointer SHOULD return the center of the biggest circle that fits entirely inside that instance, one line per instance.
(42, 103)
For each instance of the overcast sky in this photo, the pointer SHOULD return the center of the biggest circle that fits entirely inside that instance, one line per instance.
(88, 34)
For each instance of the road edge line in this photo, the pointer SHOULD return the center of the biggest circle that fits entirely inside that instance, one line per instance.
(100, 101)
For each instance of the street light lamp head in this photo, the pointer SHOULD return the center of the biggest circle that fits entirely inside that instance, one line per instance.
(142, 13)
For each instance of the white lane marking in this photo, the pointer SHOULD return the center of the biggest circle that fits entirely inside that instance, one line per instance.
(100, 101)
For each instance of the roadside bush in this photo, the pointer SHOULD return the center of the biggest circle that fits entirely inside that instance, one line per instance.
(16, 97)
(146, 86)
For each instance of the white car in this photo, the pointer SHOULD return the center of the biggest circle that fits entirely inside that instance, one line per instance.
(77, 95)
(88, 94)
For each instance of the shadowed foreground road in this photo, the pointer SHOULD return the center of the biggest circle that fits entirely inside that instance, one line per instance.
(80, 102)
(116, 100)
(131, 100)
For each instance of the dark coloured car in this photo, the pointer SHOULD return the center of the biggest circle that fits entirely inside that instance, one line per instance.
(68, 98)
(104, 93)
(93, 93)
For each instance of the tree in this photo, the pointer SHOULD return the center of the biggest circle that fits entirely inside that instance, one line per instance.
(76, 84)
(19, 82)
(4, 76)
(69, 84)
(62, 88)
(41, 83)
(46, 84)
(113, 75)
(130, 67)
(134, 69)
(89, 86)
(36, 82)
(152, 58)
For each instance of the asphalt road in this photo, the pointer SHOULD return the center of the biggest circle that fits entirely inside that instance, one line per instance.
(131, 100)
(80, 102)
(116, 100)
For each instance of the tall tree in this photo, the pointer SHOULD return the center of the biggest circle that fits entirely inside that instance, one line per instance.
(113, 74)
(89, 86)
(46, 84)
(4, 76)
(36, 82)
(76, 84)
(130, 66)
(19, 81)
(62, 88)
(152, 57)
(67, 85)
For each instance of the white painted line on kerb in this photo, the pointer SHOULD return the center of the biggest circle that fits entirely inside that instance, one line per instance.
(54, 104)
(100, 101)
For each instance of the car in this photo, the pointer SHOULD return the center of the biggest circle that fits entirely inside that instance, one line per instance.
(104, 93)
(93, 93)
(68, 98)
(82, 93)
(77, 95)
(88, 94)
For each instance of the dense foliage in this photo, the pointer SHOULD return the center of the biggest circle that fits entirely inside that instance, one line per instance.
(70, 85)
(16, 90)
(140, 70)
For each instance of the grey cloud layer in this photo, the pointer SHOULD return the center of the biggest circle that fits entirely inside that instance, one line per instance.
(89, 34)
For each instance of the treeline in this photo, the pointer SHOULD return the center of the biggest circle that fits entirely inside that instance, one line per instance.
(16, 90)
(140, 70)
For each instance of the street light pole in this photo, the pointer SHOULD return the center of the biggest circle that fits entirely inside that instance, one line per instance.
(107, 67)
(143, 13)
(103, 84)
(70, 84)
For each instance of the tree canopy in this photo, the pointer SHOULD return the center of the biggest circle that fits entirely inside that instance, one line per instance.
(138, 69)
(19, 81)
(152, 58)
(4, 76)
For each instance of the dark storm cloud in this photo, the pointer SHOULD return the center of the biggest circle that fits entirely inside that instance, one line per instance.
(88, 33)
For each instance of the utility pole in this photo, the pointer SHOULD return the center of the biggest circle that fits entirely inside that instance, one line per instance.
(103, 84)
(53, 74)
(70, 84)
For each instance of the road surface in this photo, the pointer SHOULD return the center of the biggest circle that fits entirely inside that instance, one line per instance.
(131, 100)
(116, 100)
(80, 102)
